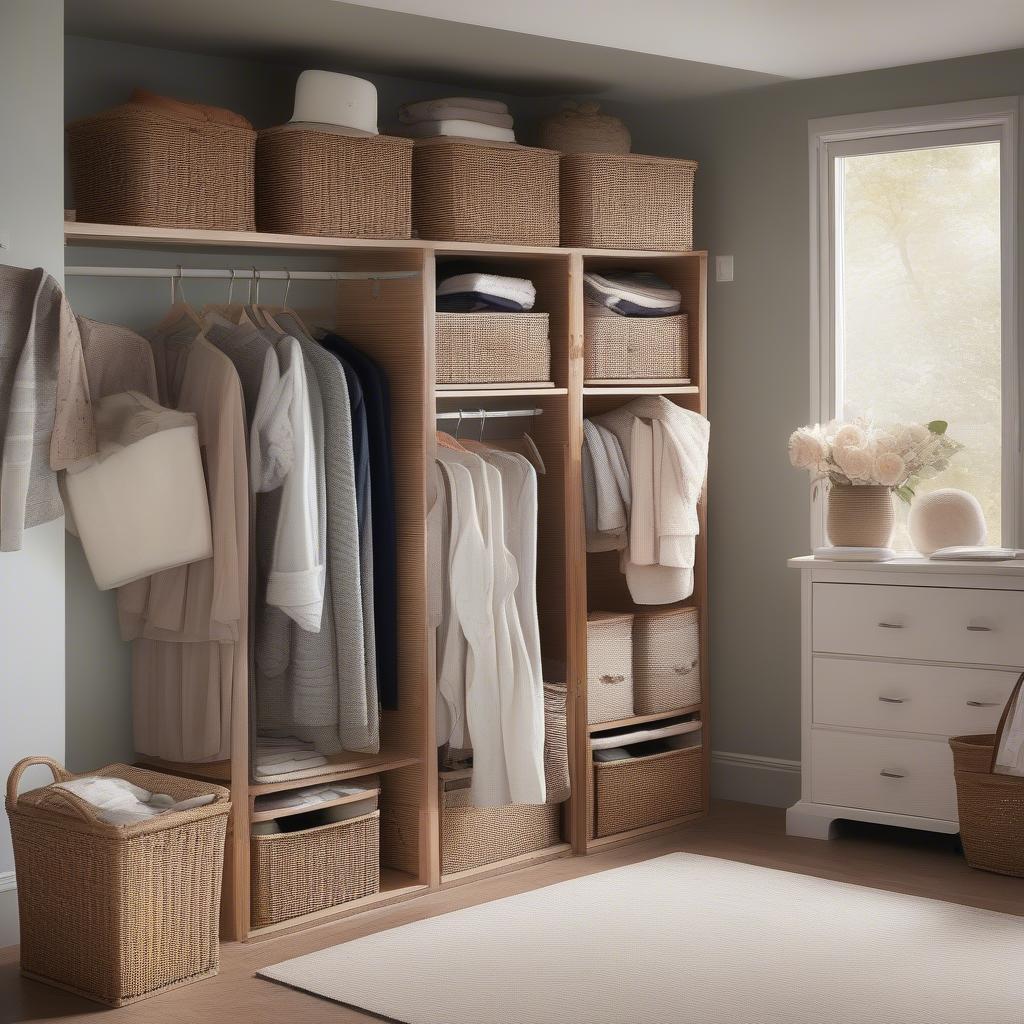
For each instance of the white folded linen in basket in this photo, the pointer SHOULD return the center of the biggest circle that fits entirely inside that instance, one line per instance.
(627, 739)
(515, 289)
(119, 802)
(458, 129)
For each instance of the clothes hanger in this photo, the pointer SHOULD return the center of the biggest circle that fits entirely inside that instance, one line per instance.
(180, 311)
(270, 313)
(251, 312)
(230, 311)
(523, 445)
(452, 443)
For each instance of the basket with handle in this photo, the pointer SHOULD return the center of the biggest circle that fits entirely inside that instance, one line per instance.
(117, 913)
(991, 806)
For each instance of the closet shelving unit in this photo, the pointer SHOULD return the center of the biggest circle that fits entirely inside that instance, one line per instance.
(393, 321)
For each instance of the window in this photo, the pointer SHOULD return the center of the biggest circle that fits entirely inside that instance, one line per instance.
(913, 308)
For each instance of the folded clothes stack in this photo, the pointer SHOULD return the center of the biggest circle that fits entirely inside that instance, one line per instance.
(632, 293)
(274, 757)
(465, 290)
(310, 807)
(457, 116)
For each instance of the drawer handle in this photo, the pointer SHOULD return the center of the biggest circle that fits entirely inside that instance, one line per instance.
(892, 700)
(983, 703)
(886, 774)
(891, 625)
(980, 629)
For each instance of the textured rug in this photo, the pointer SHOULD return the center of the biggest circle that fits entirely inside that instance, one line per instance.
(684, 939)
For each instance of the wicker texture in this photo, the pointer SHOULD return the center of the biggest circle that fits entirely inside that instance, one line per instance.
(117, 913)
(860, 516)
(474, 836)
(492, 348)
(311, 182)
(634, 347)
(609, 666)
(666, 660)
(646, 790)
(484, 192)
(556, 745)
(297, 873)
(153, 167)
(627, 201)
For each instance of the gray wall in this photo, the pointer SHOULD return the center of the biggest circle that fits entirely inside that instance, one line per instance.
(31, 580)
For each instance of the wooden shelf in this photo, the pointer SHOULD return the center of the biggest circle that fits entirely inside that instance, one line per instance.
(343, 766)
(287, 812)
(210, 771)
(500, 867)
(523, 391)
(647, 382)
(642, 389)
(643, 719)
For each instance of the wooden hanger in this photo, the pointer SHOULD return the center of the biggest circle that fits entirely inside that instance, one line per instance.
(269, 313)
(179, 311)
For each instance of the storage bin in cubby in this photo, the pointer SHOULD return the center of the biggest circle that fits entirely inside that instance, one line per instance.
(492, 348)
(609, 666)
(666, 660)
(617, 347)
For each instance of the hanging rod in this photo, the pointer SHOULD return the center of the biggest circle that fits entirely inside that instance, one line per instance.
(227, 274)
(488, 414)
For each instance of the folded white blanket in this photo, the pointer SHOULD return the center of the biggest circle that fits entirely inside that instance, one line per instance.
(425, 110)
(640, 289)
(287, 767)
(458, 129)
(627, 739)
(516, 289)
(122, 803)
(451, 112)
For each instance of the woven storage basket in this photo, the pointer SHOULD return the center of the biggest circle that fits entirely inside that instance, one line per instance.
(646, 790)
(620, 347)
(492, 348)
(297, 873)
(556, 745)
(627, 201)
(474, 836)
(311, 182)
(609, 666)
(666, 660)
(117, 913)
(484, 192)
(136, 164)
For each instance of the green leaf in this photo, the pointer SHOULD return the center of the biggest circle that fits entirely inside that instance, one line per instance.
(938, 426)
(905, 493)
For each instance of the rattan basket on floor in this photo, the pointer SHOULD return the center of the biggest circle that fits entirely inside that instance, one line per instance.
(474, 836)
(492, 348)
(627, 201)
(476, 191)
(296, 873)
(609, 666)
(617, 347)
(666, 660)
(646, 790)
(160, 168)
(311, 182)
(117, 913)
(556, 744)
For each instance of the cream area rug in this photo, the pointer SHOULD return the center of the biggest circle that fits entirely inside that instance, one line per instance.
(684, 939)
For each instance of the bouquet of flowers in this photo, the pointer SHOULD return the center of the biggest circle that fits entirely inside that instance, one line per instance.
(861, 453)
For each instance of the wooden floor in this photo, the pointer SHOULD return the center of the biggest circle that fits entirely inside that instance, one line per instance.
(911, 862)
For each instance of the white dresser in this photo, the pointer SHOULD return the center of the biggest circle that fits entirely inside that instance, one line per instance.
(897, 657)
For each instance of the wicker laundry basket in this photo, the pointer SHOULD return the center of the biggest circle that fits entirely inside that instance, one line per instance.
(474, 836)
(296, 873)
(666, 660)
(160, 168)
(609, 666)
(492, 348)
(646, 790)
(477, 191)
(311, 182)
(117, 913)
(627, 201)
(556, 744)
(617, 347)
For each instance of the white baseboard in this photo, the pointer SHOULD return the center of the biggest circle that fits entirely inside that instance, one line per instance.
(754, 779)
(8, 909)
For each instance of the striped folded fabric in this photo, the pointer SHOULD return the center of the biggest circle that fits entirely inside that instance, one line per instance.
(632, 293)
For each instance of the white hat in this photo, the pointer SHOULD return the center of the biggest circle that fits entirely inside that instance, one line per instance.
(329, 98)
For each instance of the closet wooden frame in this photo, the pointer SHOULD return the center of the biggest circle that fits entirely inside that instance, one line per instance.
(394, 322)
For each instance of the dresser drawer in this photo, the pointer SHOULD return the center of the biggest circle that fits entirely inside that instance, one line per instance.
(895, 697)
(982, 627)
(847, 770)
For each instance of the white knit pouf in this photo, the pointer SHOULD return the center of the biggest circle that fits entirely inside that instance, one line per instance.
(946, 518)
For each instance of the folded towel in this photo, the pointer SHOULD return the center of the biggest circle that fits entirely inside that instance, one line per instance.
(611, 754)
(427, 109)
(453, 112)
(121, 803)
(632, 293)
(458, 129)
(289, 767)
(469, 292)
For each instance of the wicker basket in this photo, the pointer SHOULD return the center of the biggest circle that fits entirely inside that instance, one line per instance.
(556, 745)
(620, 347)
(627, 201)
(492, 348)
(991, 806)
(646, 790)
(159, 168)
(609, 666)
(117, 913)
(474, 836)
(666, 660)
(311, 182)
(484, 192)
(295, 873)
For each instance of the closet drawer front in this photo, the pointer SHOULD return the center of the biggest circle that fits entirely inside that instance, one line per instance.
(847, 770)
(982, 627)
(896, 697)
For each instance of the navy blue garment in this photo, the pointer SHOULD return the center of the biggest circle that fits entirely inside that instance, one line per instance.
(376, 402)
(478, 302)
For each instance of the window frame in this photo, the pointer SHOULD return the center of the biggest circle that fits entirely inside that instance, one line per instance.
(950, 124)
